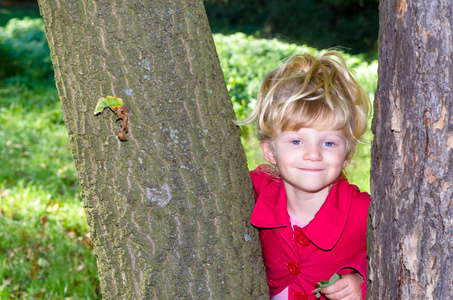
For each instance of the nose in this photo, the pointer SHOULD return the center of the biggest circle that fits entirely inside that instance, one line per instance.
(312, 152)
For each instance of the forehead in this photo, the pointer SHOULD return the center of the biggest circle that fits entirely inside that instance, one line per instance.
(310, 115)
(313, 132)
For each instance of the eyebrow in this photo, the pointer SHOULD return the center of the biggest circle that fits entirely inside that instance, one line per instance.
(326, 132)
(335, 134)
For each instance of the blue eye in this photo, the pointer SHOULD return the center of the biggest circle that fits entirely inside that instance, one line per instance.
(329, 144)
(296, 142)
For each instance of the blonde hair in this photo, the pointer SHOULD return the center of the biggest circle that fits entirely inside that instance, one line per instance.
(311, 92)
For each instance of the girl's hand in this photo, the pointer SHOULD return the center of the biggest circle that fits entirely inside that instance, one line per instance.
(347, 288)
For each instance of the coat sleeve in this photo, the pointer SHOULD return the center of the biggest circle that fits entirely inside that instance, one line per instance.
(359, 265)
(357, 229)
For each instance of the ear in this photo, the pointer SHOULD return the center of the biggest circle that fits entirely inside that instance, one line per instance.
(269, 154)
(348, 157)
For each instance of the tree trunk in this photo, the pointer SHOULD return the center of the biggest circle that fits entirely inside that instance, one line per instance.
(411, 214)
(168, 208)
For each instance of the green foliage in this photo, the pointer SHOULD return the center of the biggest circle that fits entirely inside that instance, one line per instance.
(24, 52)
(108, 101)
(18, 11)
(41, 95)
(320, 23)
(325, 283)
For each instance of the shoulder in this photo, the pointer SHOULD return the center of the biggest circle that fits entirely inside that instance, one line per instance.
(359, 204)
(262, 175)
(354, 231)
(361, 198)
(354, 192)
(261, 178)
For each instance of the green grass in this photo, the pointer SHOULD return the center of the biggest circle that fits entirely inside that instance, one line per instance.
(45, 252)
(34, 144)
(45, 249)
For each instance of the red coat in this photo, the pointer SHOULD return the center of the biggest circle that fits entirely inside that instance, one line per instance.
(333, 242)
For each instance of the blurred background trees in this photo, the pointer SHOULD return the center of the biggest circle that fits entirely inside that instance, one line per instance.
(349, 24)
(353, 24)
(321, 24)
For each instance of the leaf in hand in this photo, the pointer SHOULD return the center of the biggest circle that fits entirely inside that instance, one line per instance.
(322, 284)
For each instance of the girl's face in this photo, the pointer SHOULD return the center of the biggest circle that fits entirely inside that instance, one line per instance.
(309, 160)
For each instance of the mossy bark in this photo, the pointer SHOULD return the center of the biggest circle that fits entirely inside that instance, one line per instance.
(411, 213)
(168, 208)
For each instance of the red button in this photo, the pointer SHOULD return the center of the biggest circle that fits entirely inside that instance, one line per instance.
(293, 268)
(302, 239)
(300, 296)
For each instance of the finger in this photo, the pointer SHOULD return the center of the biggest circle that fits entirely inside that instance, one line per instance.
(345, 288)
(337, 286)
(343, 296)
(347, 292)
(334, 294)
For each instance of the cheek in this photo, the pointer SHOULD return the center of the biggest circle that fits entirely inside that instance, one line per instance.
(339, 160)
(282, 159)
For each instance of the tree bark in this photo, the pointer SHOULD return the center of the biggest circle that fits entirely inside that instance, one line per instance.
(168, 208)
(411, 214)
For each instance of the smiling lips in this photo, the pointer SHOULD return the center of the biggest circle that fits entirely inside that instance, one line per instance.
(311, 169)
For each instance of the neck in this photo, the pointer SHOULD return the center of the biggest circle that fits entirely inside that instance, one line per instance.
(303, 206)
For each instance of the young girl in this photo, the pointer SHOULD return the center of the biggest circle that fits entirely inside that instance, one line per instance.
(310, 114)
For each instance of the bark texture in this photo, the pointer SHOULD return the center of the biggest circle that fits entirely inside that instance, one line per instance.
(411, 214)
(168, 208)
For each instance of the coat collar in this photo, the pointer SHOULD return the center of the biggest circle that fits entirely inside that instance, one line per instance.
(326, 227)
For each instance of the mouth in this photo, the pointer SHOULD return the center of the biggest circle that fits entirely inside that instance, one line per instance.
(311, 169)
